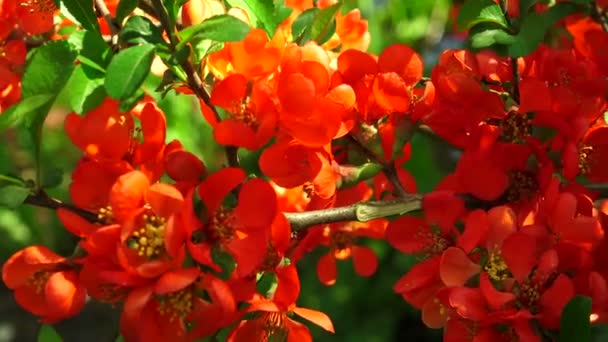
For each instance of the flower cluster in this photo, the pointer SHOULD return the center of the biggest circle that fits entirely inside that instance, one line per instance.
(505, 240)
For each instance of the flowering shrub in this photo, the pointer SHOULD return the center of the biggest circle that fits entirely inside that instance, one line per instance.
(510, 244)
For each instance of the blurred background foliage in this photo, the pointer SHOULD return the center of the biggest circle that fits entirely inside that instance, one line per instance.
(362, 309)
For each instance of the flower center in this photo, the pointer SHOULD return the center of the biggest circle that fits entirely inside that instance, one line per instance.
(105, 215)
(584, 159)
(39, 6)
(273, 326)
(176, 305)
(38, 281)
(522, 185)
(340, 241)
(515, 128)
(149, 240)
(496, 267)
(112, 293)
(221, 226)
(529, 294)
(245, 115)
(271, 260)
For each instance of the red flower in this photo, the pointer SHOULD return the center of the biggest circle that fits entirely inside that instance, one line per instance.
(44, 283)
(273, 320)
(240, 230)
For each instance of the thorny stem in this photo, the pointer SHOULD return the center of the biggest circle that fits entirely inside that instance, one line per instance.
(388, 168)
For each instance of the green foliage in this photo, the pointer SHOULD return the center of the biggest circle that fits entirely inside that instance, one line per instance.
(267, 14)
(86, 89)
(128, 70)
(221, 28)
(12, 196)
(475, 12)
(81, 12)
(140, 30)
(224, 260)
(124, 8)
(48, 334)
(574, 322)
(316, 24)
(94, 52)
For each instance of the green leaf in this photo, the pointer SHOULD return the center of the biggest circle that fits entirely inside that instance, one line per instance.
(48, 69)
(81, 12)
(51, 178)
(266, 14)
(324, 23)
(138, 30)
(535, 26)
(220, 28)
(474, 12)
(12, 196)
(267, 284)
(128, 70)
(28, 106)
(300, 27)
(86, 90)
(95, 52)
(485, 35)
(124, 8)
(224, 260)
(131, 101)
(48, 334)
(574, 322)
(354, 175)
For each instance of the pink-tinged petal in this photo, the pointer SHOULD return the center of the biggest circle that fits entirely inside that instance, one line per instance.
(176, 280)
(164, 199)
(327, 270)
(495, 299)
(364, 260)
(316, 317)
(257, 205)
(519, 252)
(456, 267)
(214, 189)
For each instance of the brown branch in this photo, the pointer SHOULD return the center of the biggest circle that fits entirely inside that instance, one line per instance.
(599, 16)
(362, 212)
(43, 200)
(105, 13)
(388, 168)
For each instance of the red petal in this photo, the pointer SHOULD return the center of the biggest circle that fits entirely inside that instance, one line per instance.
(174, 281)
(409, 234)
(519, 253)
(257, 205)
(288, 288)
(317, 317)
(364, 260)
(403, 60)
(236, 133)
(468, 303)
(327, 270)
(496, 300)
(456, 267)
(215, 188)
(127, 194)
(164, 199)
(230, 92)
